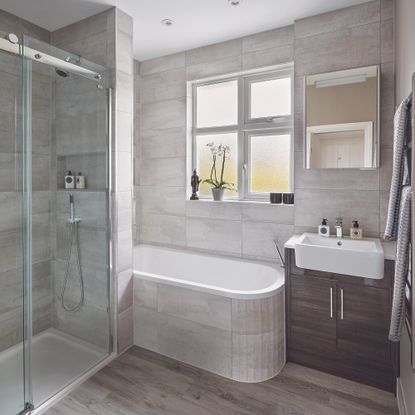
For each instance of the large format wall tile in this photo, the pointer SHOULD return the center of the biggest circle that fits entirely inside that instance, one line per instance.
(258, 239)
(215, 235)
(162, 200)
(163, 86)
(266, 212)
(334, 178)
(145, 294)
(208, 309)
(355, 36)
(163, 172)
(256, 357)
(223, 210)
(225, 66)
(337, 20)
(346, 48)
(125, 329)
(214, 52)
(162, 143)
(199, 345)
(164, 63)
(268, 57)
(164, 229)
(164, 114)
(268, 40)
(361, 205)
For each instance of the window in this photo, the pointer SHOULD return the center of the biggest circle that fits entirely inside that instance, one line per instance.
(253, 115)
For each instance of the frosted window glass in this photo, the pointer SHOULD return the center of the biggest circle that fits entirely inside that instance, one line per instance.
(204, 161)
(217, 104)
(270, 163)
(271, 98)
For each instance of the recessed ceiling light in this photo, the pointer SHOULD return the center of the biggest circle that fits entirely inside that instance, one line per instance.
(235, 2)
(167, 22)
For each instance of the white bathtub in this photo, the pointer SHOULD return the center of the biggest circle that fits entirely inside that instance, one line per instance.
(228, 277)
(221, 314)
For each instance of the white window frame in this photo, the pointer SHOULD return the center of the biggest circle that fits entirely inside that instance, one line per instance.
(246, 127)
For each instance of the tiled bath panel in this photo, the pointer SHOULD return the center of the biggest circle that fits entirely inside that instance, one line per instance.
(241, 339)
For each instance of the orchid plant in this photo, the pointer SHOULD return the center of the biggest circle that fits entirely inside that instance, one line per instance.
(219, 155)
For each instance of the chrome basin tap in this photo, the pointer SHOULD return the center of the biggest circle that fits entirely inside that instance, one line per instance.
(339, 227)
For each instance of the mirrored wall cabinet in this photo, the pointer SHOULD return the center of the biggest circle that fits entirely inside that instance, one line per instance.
(342, 119)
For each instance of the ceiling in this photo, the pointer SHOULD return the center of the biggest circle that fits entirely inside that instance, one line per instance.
(196, 22)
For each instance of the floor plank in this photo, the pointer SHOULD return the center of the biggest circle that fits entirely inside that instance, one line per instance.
(141, 382)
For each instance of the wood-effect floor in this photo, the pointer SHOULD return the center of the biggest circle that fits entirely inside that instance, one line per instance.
(141, 382)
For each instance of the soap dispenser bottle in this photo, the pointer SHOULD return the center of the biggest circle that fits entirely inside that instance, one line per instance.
(80, 181)
(69, 180)
(324, 229)
(356, 232)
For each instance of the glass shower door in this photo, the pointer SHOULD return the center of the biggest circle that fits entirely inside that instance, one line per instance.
(54, 226)
(67, 187)
(14, 392)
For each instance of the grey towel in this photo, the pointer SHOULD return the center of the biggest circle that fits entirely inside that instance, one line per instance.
(401, 266)
(402, 134)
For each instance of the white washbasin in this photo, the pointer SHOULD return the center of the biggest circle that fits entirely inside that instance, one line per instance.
(342, 256)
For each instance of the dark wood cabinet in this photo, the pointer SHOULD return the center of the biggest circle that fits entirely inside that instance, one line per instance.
(313, 323)
(339, 324)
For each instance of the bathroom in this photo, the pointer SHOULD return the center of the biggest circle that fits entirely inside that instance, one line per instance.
(178, 236)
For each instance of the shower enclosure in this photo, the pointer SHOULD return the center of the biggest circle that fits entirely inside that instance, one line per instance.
(55, 321)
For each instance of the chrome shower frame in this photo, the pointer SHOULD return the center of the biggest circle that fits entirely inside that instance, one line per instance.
(14, 45)
(10, 45)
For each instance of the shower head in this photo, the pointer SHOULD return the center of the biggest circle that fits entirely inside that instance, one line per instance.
(62, 73)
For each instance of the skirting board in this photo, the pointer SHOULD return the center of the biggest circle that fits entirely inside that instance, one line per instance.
(401, 398)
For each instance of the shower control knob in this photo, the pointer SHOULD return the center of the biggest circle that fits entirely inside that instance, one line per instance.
(12, 38)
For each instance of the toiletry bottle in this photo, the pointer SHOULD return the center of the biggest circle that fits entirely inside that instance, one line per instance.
(324, 229)
(356, 232)
(69, 180)
(80, 181)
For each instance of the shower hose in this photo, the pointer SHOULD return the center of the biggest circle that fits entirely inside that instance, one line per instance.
(73, 243)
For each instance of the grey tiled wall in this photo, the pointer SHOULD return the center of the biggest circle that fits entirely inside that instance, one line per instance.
(80, 144)
(356, 36)
(105, 39)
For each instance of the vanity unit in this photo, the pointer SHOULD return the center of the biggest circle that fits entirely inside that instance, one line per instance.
(339, 323)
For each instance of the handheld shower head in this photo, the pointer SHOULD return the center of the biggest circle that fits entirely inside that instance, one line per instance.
(72, 209)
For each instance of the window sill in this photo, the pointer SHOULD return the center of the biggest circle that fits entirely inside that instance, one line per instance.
(242, 202)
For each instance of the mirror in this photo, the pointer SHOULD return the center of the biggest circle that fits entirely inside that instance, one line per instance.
(342, 119)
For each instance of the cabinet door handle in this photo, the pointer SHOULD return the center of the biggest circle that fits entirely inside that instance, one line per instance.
(331, 302)
(341, 304)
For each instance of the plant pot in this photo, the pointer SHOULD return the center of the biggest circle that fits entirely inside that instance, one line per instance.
(217, 193)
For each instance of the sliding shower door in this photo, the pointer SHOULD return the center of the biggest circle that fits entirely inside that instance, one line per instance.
(54, 221)
(67, 135)
(12, 288)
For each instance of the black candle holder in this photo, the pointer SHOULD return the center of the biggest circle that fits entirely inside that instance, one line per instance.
(288, 198)
(275, 198)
